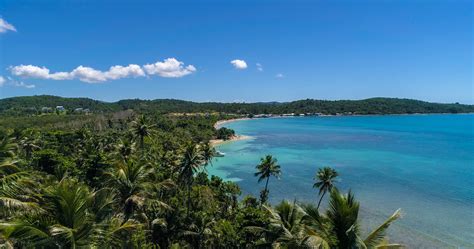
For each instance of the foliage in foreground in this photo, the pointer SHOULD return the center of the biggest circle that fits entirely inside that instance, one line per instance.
(143, 184)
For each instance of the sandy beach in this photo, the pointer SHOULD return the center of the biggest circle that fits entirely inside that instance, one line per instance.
(215, 142)
(220, 124)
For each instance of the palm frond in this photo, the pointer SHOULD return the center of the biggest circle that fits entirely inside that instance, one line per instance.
(378, 234)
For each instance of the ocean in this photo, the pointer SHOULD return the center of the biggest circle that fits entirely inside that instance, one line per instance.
(423, 164)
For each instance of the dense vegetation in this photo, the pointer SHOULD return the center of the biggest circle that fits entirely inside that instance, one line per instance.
(136, 181)
(33, 104)
(224, 133)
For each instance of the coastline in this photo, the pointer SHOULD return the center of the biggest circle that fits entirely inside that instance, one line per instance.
(215, 142)
(219, 124)
(237, 137)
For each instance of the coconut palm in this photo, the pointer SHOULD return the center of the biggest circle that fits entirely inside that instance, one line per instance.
(343, 221)
(7, 147)
(268, 167)
(69, 210)
(141, 129)
(17, 186)
(125, 149)
(28, 145)
(208, 152)
(324, 181)
(288, 229)
(130, 179)
(190, 164)
(199, 233)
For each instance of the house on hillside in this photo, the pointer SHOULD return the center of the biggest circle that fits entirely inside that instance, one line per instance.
(46, 109)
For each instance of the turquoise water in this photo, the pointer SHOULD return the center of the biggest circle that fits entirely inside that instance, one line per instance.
(423, 164)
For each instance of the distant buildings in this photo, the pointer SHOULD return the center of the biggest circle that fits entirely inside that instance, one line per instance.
(61, 109)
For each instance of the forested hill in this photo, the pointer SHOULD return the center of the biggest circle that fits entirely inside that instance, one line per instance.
(19, 106)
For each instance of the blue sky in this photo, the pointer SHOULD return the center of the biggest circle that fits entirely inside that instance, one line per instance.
(183, 49)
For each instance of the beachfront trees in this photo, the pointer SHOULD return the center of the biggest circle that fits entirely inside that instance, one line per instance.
(268, 167)
(303, 226)
(97, 189)
(324, 181)
(225, 133)
(342, 217)
(287, 228)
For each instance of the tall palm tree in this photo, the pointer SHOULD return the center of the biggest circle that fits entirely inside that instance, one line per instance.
(191, 162)
(141, 129)
(324, 181)
(208, 152)
(268, 167)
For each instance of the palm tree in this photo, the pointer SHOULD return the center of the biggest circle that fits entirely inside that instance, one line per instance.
(191, 162)
(324, 181)
(268, 167)
(208, 152)
(343, 223)
(295, 226)
(125, 149)
(288, 230)
(7, 147)
(29, 146)
(66, 219)
(141, 129)
(131, 179)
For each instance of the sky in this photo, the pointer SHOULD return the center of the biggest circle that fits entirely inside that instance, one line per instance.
(238, 51)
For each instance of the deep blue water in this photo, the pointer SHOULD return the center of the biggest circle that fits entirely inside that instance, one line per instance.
(423, 164)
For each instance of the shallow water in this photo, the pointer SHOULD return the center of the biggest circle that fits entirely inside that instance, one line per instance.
(423, 164)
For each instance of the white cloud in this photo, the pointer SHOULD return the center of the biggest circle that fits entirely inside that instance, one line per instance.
(5, 26)
(169, 68)
(239, 64)
(88, 74)
(22, 84)
(259, 67)
(30, 71)
(11, 82)
(118, 72)
(279, 75)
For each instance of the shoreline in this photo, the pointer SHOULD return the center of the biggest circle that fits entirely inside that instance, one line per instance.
(237, 137)
(215, 142)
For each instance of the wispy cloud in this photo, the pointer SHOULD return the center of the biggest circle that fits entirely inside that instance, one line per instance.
(259, 67)
(170, 68)
(5, 26)
(279, 75)
(239, 64)
(12, 82)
